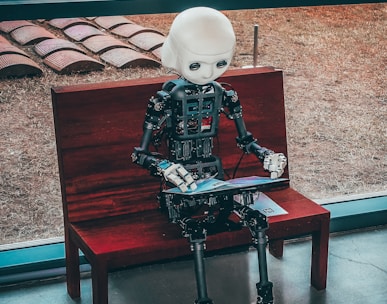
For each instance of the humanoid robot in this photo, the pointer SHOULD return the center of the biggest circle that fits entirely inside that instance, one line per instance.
(186, 112)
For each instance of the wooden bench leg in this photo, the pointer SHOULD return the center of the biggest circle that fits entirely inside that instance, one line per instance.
(72, 269)
(99, 277)
(320, 240)
(276, 248)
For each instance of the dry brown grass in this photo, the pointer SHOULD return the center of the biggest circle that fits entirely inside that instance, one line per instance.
(334, 61)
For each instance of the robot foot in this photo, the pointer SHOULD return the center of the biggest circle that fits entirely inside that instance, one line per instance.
(265, 293)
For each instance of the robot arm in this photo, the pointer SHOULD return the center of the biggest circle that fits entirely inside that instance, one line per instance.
(153, 121)
(175, 173)
(273, 162)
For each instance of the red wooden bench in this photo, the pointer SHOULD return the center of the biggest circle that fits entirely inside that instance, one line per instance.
(110, 208)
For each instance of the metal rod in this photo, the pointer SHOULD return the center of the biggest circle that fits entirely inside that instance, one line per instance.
(255, 51)
(200, 271)
(262, 262)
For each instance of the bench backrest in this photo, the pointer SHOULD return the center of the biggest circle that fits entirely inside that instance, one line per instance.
(98, 125)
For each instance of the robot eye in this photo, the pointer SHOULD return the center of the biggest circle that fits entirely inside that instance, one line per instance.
(194, 66)
(221, 64)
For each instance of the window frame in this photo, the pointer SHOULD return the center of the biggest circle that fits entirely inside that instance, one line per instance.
(46, 258)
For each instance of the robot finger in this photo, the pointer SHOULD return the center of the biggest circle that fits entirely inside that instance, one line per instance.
(187, 177)
(181, 171)
(192, 185)
(177, 181)
(275, 164)
(170, 169)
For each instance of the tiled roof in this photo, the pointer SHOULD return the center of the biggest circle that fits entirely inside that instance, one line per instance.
(69, 45)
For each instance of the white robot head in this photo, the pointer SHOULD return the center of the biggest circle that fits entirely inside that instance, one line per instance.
(200, 45)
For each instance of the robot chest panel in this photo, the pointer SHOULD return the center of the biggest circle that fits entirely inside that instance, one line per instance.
(195, 116)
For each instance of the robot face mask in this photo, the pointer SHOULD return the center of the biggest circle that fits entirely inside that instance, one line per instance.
(200, 45)
(202, 69)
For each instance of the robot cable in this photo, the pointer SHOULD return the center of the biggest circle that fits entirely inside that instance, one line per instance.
(237, 165)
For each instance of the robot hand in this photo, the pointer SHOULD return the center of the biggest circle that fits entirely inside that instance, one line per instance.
(177, 175)
(275, 163)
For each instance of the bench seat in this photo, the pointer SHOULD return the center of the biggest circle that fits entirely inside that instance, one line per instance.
(110, 208)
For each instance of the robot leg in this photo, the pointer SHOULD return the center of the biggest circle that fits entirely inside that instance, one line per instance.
(197, 234)
(257, 223)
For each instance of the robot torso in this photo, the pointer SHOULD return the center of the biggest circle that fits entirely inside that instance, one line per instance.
(192, 121)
